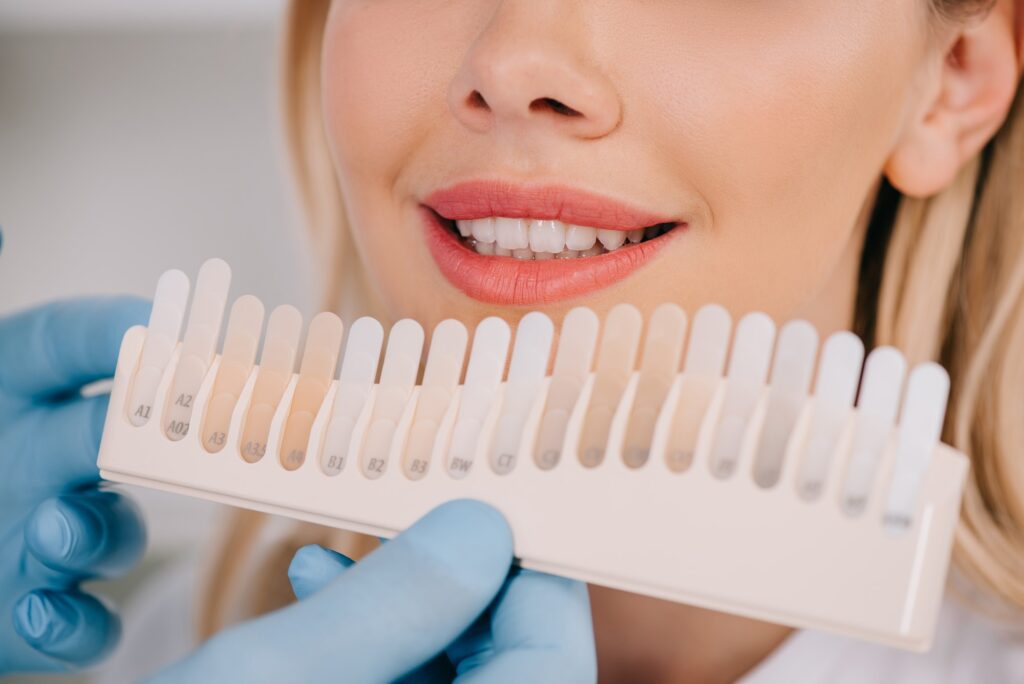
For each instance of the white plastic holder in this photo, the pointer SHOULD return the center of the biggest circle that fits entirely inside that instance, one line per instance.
(722, 544)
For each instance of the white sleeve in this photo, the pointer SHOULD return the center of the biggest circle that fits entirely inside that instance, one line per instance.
(968, 649)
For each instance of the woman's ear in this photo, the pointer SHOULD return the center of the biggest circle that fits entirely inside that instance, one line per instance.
(967, 102)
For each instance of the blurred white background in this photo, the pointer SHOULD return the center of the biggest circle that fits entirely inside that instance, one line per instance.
(136, 137)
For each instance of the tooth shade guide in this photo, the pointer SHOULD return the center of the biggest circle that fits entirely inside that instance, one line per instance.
(165, 317)
(355, 382)
(277, 362)
(198, 345)
(573, 359)
(880, 393)
(703, 368)
(659, 363)
(920, 423)
(835, 387)
(869, 575)
(530, 353)
(790, 380)
(241, 340)
(483, 377)
(616, 356)
(397, 378)
(440, 380)
(316, 372)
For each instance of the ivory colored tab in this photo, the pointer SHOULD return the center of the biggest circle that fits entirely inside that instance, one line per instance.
(198, 346)
(245, 322)
(615, 361)
(834, 391)
(876, 412)
(275, 372)
(483, 377)
(319, 359)
(659, 364)
(526, 370)
(748, 370)
(358, 371)
(795, 354)
(702, 371)
(165, 318)
(397, 378)
(920, 427)
(440, 378)
(575, 354)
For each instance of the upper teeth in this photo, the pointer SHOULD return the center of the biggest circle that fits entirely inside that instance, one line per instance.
(541, 236)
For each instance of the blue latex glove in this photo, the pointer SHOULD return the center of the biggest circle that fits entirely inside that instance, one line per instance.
(438, 603)
(56, 527)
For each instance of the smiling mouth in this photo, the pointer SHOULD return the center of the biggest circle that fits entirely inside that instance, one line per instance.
(530, 239)
(504, 242)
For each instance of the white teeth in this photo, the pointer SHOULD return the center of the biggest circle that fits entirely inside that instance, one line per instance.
(547, 236)
(580, 238)
(483, 229)
(611, 239)
(543, 238)
(512, 233)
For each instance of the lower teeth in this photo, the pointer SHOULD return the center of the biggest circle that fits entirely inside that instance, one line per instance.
(491, 249)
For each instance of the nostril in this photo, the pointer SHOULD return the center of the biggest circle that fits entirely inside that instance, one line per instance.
(477, 101)
(554, 105)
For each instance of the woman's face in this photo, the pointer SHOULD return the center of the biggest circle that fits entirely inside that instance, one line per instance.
(753, 132)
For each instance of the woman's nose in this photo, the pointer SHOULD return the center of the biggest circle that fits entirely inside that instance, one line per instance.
(524, 73)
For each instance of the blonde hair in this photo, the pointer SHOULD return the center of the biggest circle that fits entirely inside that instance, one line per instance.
(941, 278)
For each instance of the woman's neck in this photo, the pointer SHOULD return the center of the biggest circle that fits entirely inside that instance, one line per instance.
(641, 639)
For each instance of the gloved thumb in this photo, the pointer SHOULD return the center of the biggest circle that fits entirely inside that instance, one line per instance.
(313, 567)
(383, 617)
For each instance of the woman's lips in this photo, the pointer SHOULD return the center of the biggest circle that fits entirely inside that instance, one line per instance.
(510, 281)
(483, 198)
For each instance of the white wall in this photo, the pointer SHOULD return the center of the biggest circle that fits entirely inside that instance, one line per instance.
(127, 151)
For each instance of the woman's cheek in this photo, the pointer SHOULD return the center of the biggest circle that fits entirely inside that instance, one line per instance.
(383, 82)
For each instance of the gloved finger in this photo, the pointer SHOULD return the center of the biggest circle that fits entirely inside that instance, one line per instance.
(540, 630)
(65, 628)
(87, 534)
(388, 614)
(313, 567)
(58, 347)
(59, 448)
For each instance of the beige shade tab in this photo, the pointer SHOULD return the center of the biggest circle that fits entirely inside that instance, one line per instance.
(576, 344)
(319, 359)
(440, 378)
(615, 359)
(277, 363)
(242, 339)
(659, 364)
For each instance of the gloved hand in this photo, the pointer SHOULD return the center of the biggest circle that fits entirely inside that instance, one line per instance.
(56, 527)
(438, 603)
